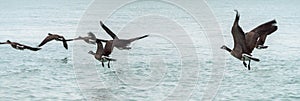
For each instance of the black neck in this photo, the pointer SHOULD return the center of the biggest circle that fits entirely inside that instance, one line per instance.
(228, 49)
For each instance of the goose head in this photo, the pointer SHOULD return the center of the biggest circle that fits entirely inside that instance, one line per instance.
(8, 41)
(91, 52)
(226, 48)
(90, 34)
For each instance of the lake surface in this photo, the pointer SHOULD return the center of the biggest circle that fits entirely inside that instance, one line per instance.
(174, 63)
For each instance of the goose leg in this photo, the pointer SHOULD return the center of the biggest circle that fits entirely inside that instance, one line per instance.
(249, 65)
(102, 64)
(244, 62)
(108, 64)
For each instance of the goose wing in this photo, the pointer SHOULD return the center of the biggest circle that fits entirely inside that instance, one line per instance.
(261, 40)
(65, 43)
(108, 31)
(238, 36)
(108, 48)
(62, 38)
(266, 28)
(47, 39)
(33, 48)
(137, 38)
(27, 47)
(99, 50)
(251, 40)
(78, 38)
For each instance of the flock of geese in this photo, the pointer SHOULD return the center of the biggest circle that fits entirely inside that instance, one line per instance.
(102, 53)
(244, 43)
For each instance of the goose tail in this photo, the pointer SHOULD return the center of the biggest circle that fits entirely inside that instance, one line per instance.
(247, 56)
(254, 59)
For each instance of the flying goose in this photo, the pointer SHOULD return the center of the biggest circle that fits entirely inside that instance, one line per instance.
(103, 54)
(120, 43)
(244, 43)
(88, 39)
(56, 37)
(20, 46)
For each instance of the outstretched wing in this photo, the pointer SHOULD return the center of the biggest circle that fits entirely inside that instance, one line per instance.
(108, 31)
(251, 40)
(238, 36)
(65, 44)
(99, 50)
(266, 28)
(137, 38)
(28, 47)
(108, 48)
(261, 40)
(47, 39)
(33, 48)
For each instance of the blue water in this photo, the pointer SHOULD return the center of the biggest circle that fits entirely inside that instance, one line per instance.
(138, 75)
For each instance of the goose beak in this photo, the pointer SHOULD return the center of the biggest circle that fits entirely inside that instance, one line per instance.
(222, 47)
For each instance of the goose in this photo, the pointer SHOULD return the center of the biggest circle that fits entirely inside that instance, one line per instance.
(120, 43)
(103, 54)
(20, 46)
(56, 37)
(88, 39)
(244, 43)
